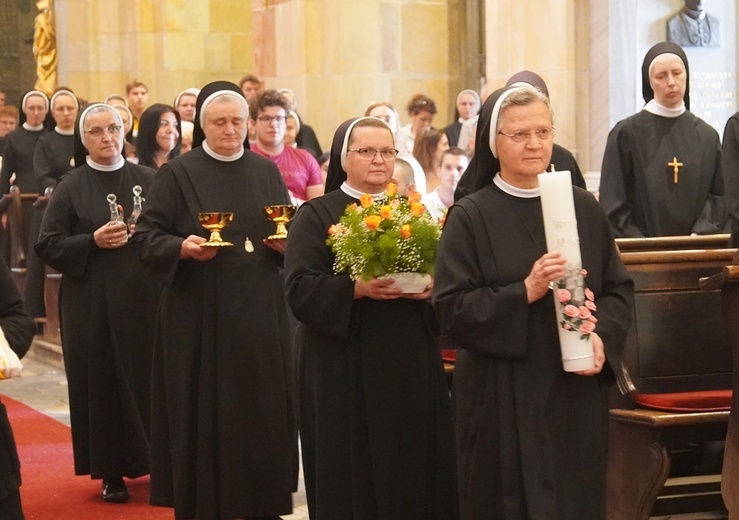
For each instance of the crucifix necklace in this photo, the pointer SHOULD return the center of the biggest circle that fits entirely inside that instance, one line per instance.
(675, 168)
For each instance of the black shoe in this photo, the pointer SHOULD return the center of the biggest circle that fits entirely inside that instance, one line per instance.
(115, 491)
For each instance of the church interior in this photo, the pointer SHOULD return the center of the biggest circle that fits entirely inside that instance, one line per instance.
(673, 421)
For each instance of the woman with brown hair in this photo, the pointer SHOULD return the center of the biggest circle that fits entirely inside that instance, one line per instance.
(422, 110)
(428, 149)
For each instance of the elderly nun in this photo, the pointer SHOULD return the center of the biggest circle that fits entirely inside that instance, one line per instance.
(224, 440)
(107, 304)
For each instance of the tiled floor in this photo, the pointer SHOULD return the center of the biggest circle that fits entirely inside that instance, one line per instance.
(44, 387)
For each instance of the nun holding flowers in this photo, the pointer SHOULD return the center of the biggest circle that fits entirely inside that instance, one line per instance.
(374, 408)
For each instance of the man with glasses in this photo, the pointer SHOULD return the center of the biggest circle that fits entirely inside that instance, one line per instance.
(298, 167)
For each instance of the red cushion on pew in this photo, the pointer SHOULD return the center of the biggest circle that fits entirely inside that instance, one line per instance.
(703, 401)
(449, 355)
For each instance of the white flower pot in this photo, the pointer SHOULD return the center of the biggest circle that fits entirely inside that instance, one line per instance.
(410, 283)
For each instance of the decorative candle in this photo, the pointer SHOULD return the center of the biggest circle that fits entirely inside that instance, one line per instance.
(573, 302)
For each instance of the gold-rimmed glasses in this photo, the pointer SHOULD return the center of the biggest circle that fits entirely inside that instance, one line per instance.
(387, 154)
(542, 134)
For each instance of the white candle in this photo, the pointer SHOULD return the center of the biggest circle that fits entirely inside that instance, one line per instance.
(570, 301)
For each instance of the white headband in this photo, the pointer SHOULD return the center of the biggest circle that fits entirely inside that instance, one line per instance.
(192, 91)
(345, 144)
(64, 93)
(216, 94)
(87, 111)
(469, 91)
(295, 117)
(494, 117)
(124, 107)
(649, 72)
(35, 93)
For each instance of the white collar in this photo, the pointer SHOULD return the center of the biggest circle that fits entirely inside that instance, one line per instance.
(63, 132)
(510, 189)
(106, 167)
(659, 110)
(225, 158)
(33, 128)
(695, 15)
(356, 193)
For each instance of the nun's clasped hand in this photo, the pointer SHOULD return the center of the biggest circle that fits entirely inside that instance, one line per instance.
(549, 268)
(111, 235)
(376, 289)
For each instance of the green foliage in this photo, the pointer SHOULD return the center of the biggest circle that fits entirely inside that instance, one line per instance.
(390, 235)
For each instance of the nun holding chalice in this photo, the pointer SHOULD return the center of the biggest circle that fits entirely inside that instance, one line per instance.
(224, 441)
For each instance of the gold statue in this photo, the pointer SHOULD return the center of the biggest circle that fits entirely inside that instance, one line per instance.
(44, 47)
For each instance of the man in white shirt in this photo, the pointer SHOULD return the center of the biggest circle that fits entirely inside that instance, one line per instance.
(453, 164)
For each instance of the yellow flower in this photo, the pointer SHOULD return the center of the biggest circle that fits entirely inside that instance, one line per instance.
(366, 200)
(414, 197)
(391, 189)
(386, 211)
(372, 221)
(405, 231)
(417, 209)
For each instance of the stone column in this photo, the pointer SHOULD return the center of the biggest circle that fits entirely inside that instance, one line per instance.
(549, 38)
(338, 56)
(168, 44)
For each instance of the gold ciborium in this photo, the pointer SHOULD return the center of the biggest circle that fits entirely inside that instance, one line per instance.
(214, 222)
(280, 214)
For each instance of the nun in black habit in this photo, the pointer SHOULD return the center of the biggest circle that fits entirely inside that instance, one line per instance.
(661, 173)
(107, 304)
(531, 438)
(21, 143)
(53, 157)
(375, 424)
(224, 440)
(18, 159)
(54, 153)
(561, 158)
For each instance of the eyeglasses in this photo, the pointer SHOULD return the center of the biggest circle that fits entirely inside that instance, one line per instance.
(387, 154)
(98, 132)
(519, 137)
(267, 120)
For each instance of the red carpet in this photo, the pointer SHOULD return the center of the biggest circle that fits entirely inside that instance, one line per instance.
(50, 489)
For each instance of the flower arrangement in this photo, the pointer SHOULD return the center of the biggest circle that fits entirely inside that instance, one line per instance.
(577, 303)
(391, 234)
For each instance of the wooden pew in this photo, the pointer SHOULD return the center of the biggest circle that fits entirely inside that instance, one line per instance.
(15, 206)
(728, 281)
(678, 343)
(51, 288)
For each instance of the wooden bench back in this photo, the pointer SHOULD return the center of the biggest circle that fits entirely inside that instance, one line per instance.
(679, 340)
(16, 229)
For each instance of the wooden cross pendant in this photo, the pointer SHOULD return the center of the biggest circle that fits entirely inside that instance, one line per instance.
(675, 168)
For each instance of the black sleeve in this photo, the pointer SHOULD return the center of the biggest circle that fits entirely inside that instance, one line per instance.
(17, 326)
(314, 292)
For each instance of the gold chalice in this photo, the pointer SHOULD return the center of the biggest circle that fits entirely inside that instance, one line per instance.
(280, 214)
(215, 221)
